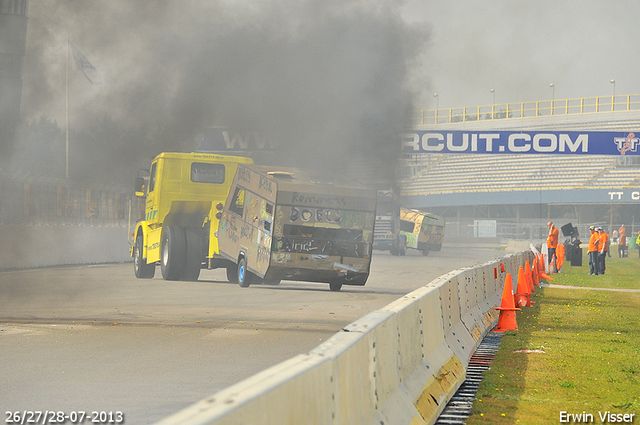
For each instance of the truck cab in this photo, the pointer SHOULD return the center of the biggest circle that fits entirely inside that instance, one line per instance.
(183, 195)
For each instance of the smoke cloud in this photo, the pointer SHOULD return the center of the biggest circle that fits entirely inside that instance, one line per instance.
(331, 82)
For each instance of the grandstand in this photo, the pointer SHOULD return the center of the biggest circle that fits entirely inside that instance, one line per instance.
(475, 173)
(522, 192)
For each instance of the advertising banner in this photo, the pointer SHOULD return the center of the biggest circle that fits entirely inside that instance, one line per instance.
(521, 142)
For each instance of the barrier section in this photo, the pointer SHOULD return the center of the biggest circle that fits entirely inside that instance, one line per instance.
(493, 278)
(302, 386)
(53, 245)
(400, 364)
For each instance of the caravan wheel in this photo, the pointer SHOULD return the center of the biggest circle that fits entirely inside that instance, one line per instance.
(244, 275)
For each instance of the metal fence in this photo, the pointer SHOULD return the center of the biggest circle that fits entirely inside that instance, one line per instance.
(528, 109)
(32, 199)
(534, 230)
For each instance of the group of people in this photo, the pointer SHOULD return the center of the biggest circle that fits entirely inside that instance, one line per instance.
(599, 248)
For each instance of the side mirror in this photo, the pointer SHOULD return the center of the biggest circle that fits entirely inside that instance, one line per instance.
(139, 187)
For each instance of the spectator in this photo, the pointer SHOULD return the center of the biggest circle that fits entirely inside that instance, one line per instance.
(603, 242)
(593, 251)
(622, 248)
(552, 240)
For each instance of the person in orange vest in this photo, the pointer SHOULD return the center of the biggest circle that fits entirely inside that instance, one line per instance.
(593, 251)
(603, 241)
(552, 240)
(622, 245)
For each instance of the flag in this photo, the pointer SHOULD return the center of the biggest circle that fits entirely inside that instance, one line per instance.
(85, 66)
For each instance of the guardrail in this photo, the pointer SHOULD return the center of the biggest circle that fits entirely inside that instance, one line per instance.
(528, 109)
(400, 364)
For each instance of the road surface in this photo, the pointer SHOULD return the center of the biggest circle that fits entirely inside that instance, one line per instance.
(95, 338)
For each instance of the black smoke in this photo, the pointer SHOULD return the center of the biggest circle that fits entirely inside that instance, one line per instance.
(329, 81)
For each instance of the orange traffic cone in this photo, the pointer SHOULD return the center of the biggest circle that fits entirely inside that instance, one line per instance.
(560, 251)
(552, 265)
(528, 277)
(507, 320)
(534, 273)
(541, 264)
(522, 297)
(543, 275)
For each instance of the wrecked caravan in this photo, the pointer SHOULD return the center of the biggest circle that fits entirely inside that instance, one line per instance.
(422, 231)
(282, 224)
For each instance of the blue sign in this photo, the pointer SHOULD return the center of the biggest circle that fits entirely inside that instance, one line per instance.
(519, 142)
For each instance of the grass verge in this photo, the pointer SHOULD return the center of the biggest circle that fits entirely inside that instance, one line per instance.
(590, 353)
(620, 273)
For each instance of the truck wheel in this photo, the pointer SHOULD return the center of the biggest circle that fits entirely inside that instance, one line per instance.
(195, 254)
(244, 276)
(173, 250)
(232, 274)
(335, 287)
(402, 251)
(141, 269)
(425, 252)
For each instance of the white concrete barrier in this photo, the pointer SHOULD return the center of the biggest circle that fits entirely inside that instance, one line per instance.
(26, 246)
(398, 365)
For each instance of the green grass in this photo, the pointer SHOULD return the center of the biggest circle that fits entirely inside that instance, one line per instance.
(591, 363)
(620, 273)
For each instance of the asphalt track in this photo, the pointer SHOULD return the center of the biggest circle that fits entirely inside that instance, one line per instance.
(95, 338)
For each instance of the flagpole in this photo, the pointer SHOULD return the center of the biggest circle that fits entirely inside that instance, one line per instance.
(67, 112)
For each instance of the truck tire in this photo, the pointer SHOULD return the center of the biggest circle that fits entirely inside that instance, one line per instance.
(173, 252)
(425, 252)
(195, 254)
(244, 276)
(335, 287)
(141, 269)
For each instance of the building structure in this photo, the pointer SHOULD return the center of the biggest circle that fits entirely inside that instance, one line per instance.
(517, 194)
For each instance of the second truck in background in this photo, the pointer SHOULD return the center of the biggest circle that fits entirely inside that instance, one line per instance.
(398, 228)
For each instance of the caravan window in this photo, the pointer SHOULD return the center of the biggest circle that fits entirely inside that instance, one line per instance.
(268, 221)
(407, 226)
(237, 203)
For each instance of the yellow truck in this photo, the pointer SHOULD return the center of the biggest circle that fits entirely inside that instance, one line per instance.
(184, 195)
(283, 224)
